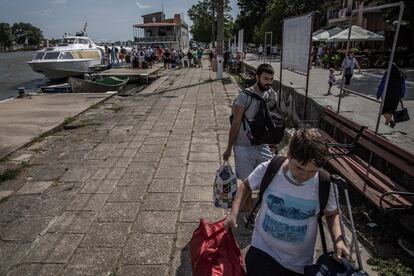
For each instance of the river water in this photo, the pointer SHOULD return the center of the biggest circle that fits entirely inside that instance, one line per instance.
(15, 73)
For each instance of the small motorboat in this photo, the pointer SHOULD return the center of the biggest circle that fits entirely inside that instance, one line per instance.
(57, 88)
(100, 85)
(74, 56)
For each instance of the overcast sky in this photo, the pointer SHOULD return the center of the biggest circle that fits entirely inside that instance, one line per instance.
(107, 19)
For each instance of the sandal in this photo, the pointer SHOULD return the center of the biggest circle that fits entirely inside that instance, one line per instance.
(392, 124)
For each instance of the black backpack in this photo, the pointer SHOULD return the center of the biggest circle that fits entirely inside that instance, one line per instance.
(267, 126)
(273, 167)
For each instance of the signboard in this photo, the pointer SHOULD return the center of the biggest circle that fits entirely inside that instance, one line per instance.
(296, 43)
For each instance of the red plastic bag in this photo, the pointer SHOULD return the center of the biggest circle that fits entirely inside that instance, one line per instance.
(214, 252)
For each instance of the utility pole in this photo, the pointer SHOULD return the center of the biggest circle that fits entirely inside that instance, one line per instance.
(220, 38)
(213, 23)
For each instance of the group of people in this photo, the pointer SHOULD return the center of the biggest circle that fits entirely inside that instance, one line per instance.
(395, 90)
(261, 51)
(144, 58)
(282, 242)
(114, 54)
(178, 59)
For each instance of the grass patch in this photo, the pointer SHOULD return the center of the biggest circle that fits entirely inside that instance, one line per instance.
(9, 174)
(68, 120)
(390, 267)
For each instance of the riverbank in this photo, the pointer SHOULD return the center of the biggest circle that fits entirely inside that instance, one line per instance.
(15, 73)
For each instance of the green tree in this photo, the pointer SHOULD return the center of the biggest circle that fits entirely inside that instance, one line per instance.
(203, 16)
(6, 37)
(27, 32)
(260, 16)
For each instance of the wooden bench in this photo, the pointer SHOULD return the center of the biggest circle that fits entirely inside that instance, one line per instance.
(368, 178)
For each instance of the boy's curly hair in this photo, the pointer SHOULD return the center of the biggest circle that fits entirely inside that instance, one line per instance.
(307, 145)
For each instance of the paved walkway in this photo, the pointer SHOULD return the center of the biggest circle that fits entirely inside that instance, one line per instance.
(21, 120)
(123, 192)
(358, 109)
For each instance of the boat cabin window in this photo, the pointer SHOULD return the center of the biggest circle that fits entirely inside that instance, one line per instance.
(52, 55)
(66, 55)
(83, 41)
(39, 56)
(68, 40)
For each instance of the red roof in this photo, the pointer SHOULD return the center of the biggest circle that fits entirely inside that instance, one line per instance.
(155, 24)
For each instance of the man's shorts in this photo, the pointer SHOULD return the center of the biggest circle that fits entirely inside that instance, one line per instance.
(247, 158)
(348, 79)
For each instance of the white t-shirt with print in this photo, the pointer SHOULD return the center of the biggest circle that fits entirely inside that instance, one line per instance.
(286, 225)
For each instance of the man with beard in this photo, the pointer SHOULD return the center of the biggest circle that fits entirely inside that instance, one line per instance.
(247, 156)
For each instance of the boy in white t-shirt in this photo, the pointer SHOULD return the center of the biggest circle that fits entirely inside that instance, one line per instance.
(284, 235)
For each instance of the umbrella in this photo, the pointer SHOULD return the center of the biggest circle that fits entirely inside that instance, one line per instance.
(323, 35)
(357, 34)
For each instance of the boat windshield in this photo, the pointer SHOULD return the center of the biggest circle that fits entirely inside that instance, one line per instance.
(66, 55)
(52, 55)
(39, 55)
(68, 40)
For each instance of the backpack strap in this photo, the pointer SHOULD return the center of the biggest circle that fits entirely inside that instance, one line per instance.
(324, 190)
(271, 170)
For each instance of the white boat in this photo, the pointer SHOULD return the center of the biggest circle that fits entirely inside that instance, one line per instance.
(75, 56)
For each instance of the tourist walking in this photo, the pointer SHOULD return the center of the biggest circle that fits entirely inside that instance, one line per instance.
(199, 56)
(347, 68)
(247, 155)
(285, 229)
(331, 80)
(395, 92)
(260, 52)
(113, 54)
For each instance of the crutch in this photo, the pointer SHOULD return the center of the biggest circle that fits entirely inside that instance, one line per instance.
(339, 181)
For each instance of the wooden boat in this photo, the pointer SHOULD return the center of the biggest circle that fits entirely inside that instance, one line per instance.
(99, 85)
(57, 88)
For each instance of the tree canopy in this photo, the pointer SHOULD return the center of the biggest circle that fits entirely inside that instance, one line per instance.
(204, 24)
(26, 32)
(6, 36)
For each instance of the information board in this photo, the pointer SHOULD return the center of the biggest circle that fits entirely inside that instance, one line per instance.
(296, 43)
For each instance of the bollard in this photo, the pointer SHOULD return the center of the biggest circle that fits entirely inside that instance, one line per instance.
(22, 92)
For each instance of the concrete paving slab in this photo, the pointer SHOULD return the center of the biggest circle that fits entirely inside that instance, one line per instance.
(158, 222)
(88, 202)
(36, 269)
(53, 248)
(92, 261)
(24, 230)
(159, 185)
(75, 222)
(116, 212)
(143, 270)
(161, 202)
(170, 172)
(148, 249)
(10, 254)
(105, 186)
(35, 187)
(200, 179)
(198, 193)
(194, 211)
(5, 194)
(42, 113)
(126, 194)
(106, 234)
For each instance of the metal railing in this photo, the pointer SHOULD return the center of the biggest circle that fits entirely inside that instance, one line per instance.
(156, 38)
